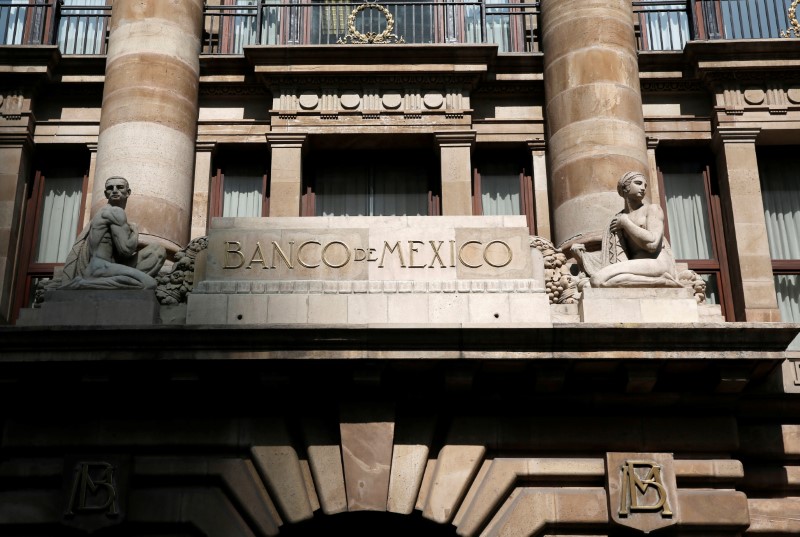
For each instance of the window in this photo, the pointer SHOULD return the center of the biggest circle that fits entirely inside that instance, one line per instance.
(664, 24)
(693, 214)
(53, 215)
(502, 186)
(370, 183)
(781, 196)
(240, 186)
(23, 22)
(82, 26)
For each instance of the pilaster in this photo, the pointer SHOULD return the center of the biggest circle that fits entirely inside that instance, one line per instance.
(541, 201)
(286, 173)
(748, 249)
(202, 188)
(456, 171)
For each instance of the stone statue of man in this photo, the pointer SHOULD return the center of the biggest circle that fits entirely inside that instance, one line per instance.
(105, 255)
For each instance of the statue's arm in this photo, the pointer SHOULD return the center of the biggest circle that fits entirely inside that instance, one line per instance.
(651, 236)
(125, 236)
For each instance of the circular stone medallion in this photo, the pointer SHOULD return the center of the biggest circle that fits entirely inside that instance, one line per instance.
(433, 100)
(392, 101)
(793, 94)
(308, 100)
(754, 95)
(350, 100)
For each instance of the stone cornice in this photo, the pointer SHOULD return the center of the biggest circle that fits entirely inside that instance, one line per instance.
(726, 342)
(735, 135)
(29, 61)
(455, 138)
(285, 139)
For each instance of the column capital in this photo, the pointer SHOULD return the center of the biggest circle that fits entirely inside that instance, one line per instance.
(455, 138)
(735, 135)
(652, 142)
(286, 139)
(537, 144)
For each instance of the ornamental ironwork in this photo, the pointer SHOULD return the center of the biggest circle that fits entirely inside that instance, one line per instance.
(794, 31)
(386, 36)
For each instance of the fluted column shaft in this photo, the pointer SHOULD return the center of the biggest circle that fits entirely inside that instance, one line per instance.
(148, 124)
(593, 109)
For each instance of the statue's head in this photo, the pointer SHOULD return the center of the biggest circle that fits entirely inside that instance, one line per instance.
(624, 183)
(117, 191)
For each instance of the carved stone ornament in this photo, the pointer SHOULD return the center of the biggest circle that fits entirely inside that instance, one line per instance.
(175, 286)
(631, 251)
(386, 36)
(794, 31)
(12, 106)
(642, 493)
(559, 282)
(105, 255)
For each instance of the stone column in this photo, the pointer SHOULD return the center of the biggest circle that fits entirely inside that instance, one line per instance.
(748, 249)
(148, 123)
(593, 108)
(286, 173)
(456, 172)
(202, 187)
(541, 200)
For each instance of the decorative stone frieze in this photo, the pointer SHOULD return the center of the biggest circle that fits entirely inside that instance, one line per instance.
(404, 102)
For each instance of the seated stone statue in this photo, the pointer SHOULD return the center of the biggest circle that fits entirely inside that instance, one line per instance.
(634, 252)
(104, 255)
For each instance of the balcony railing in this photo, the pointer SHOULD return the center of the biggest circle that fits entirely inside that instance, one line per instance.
(511, 25)
(76, 26)
(81, 26)
(669, 24)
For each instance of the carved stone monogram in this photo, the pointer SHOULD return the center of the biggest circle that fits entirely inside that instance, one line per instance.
(93, 492)
(641, 490)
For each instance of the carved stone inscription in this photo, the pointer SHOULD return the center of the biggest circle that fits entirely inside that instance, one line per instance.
(382, 252)
(641, 490)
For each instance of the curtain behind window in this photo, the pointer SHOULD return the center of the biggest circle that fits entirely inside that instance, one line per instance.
(687, 214)
(781, 197)
(60, 214)
(500, 189)
(370, 189)
(243, 194)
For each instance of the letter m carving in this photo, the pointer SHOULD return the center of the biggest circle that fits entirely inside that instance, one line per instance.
(93, 490)
(635, 487)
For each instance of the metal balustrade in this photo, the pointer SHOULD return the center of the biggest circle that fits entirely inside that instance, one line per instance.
(81, 26)
(669, 24)
(228, 28)
(76, 26)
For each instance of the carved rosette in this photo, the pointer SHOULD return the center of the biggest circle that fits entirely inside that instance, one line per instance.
(386, 36)
(175, 286)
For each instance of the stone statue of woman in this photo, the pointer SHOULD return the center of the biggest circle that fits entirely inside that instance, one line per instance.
(634, 251)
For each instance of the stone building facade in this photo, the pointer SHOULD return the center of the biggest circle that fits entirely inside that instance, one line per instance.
(369, 322)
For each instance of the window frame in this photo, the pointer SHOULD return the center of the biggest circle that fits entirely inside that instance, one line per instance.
(308, 198)
(226, 156)
(718, 264)
(526, 197)
(28, 269)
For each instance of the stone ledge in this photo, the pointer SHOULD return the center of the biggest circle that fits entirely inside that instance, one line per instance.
(258, 287)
